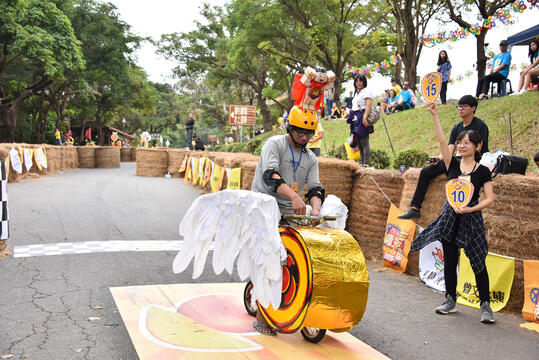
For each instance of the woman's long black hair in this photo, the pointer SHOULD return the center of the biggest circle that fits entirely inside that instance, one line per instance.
(361, 76)
(532, 54)
(475, 139)
(440, 60)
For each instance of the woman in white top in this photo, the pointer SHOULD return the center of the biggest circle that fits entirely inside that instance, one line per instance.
(359, 128)
(531, 70)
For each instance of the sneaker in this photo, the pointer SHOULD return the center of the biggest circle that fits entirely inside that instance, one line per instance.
(410, 214)
(449, 306)
(487, 317)
(483, 97)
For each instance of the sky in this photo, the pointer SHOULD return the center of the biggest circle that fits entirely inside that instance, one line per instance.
(156, 17)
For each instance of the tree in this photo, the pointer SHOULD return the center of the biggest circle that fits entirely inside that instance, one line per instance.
(38, 44)
(331, 33)
(226, 48)
(486, 9)
(413, 16)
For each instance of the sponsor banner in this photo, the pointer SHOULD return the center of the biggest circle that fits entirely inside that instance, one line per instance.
(398, 238)
(431, 266)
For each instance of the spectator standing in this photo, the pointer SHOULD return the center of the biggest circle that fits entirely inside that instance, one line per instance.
(531, 70)
(462, 227)
(316, 141)
(88, 136)
(498, 72)
(357, 118)
(466, 110)
(189, 125)
(396, 86)
(405, 98)
(58, 137)
(444, 67)
(348, 101)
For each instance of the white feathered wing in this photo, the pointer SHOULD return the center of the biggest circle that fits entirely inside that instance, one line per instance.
(244, 225)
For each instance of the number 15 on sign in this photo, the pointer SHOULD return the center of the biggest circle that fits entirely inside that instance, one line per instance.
(431, 85)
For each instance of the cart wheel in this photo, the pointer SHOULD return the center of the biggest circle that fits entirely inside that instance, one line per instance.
(251, 310)
(313, 335)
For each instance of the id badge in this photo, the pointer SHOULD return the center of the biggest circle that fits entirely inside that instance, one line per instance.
(294, 186)
(465, 177)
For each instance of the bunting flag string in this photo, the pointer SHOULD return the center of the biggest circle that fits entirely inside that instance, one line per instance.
(501, 16)
(371, 68)
(279, 98)
(468, 74)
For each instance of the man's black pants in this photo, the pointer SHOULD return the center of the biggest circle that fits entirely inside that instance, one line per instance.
(425, 176)
(484, 83)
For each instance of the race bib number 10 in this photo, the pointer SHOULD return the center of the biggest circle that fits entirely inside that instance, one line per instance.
(458, 192)
(431, 84)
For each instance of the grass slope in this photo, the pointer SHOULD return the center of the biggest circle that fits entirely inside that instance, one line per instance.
(414, 129)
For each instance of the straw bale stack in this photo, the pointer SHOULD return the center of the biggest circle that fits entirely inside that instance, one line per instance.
(107, 157)
(134, 154)
(71, 158)
(175, 158)
(434, 200)
(125, 154)
(369, 207)
(337, 177)
(53, 154)
(512, 226)
(86, 156)
(247, 174)
(151, 162)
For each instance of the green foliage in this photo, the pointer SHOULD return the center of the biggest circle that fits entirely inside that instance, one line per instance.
(411, 158)
(338, 151)
(380, 159)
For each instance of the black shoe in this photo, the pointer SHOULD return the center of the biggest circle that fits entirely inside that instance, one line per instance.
(410, 214)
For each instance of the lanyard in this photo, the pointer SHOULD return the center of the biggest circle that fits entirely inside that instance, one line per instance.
(293, 162)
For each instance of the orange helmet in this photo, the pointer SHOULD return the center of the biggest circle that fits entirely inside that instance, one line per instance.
(303, 119)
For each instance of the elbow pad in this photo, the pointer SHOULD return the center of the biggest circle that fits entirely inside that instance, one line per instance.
(272, 183)
(318, 192)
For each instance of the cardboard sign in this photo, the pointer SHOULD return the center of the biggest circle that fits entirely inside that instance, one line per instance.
(398, 238)
(431, 84)
(458, 192)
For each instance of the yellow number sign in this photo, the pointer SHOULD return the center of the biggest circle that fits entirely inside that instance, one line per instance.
(458, 192)
(431, 84)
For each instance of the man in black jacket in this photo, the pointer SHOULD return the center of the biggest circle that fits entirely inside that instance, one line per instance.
(189, 124)
(466, 109)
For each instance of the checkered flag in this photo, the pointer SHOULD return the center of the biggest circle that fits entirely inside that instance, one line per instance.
(4, 227)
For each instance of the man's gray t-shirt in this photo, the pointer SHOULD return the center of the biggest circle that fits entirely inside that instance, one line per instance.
(276, 154)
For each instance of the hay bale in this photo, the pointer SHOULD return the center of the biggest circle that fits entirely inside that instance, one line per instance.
(247, 174)
(53, 155)
(125, 154)
(434, 199)
(107, 157)
(175, 158)
(337, 177)
(151, 162)
(86, 157)
(369, 207)
(133, 154)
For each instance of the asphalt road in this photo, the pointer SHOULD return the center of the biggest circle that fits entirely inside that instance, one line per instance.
(45, 301)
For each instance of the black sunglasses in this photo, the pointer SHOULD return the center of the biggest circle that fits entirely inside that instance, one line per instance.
(302, 133)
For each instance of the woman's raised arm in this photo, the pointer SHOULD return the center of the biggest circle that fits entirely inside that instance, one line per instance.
(444, 148)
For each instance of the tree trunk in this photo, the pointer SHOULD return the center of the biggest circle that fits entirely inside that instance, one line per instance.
(337, 91)
(400, 50)
(8, 114)
(266, 114)
(410, 56)
(481, 57)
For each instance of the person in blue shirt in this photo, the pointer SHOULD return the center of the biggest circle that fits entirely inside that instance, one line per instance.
(499, 71)
(405, 98)
(444, 67)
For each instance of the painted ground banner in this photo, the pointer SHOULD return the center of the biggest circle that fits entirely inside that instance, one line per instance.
(530, 310)
(431, 266)
(501, 270)
(398, 238)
